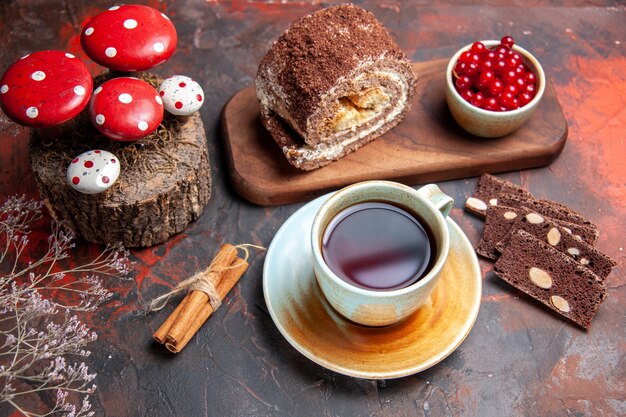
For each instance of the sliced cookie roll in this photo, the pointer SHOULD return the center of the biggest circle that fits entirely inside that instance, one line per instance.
(498, 223)
(549, 231)
(331, 83)
(486, 194)
(530, 220)
(552, 278)
(547, 208)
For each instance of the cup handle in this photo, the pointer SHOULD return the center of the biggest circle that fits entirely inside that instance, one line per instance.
(440, 200)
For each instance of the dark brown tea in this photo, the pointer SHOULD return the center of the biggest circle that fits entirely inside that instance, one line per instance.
(378, 246)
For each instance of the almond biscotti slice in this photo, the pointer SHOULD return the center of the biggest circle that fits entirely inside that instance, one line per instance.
(530, 220)
(556, 235)
(498, 223)
(554, 279)
(550, 208)
(486, 192)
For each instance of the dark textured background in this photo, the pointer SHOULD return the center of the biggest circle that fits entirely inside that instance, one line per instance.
(518, 360)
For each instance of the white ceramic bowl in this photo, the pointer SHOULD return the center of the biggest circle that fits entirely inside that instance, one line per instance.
(486, 123)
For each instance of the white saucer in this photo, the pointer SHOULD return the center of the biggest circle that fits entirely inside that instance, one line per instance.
(305, 319)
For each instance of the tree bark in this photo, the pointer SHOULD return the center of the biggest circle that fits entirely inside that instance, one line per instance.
(159, 191)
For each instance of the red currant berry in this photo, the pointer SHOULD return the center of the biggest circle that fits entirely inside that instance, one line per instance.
(530, 78)
(507, 41)
(478, 47)
(520, 83)
(499, 67)
(512, 63)
(508, 101)
(459, 68)
(465, 56)
(477, 100)
(502, 50)
(467, 95)
(485, 79)
(471, 69)
(491, 55)
(491, 103)
(516, 55)
(486, 65)
(511, 88)
(463, 83)
(520, 71)
(509, 77)
(495, 88)
(524, 99)
(531, 89)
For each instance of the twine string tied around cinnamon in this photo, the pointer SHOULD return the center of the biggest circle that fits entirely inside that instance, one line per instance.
(201, 281)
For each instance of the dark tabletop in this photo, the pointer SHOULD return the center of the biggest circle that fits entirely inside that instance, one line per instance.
(519, 358)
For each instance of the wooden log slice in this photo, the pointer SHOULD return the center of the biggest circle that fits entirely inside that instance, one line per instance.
(164, 183)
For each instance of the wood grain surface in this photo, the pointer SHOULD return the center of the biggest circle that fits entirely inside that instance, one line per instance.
(518, 360)
(427, 146)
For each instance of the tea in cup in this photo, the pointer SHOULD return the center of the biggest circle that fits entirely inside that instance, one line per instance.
(378, 249)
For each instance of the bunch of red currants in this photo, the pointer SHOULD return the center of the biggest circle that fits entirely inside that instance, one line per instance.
(496, 78)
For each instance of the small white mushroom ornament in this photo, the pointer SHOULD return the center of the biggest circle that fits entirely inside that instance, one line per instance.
(181, 95)
(93, 172)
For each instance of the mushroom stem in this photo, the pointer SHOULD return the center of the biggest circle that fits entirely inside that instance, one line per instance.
(116, 74)
(182, 119)
(109, 74)
(58, 131)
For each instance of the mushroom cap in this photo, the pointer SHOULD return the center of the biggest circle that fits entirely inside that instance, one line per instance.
(93, 172)
(45, 88)
(126, 109)
(181, 95)
(129, 38)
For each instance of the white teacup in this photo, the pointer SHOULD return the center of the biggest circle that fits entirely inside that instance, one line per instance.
(382, 307)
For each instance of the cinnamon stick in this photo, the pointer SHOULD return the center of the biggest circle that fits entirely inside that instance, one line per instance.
(231, 277)
(198, 299)
(161, 334)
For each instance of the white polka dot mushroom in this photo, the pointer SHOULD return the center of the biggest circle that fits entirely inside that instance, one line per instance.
(126, 109)
(129, 38)
(181, 95)
(45, 89)
(93, 172)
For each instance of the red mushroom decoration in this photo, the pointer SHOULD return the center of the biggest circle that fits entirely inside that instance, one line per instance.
(126, 108)
(50, 87)
(45, 89)
(129, 38)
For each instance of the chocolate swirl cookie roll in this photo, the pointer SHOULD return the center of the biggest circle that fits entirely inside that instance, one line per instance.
(333, 82)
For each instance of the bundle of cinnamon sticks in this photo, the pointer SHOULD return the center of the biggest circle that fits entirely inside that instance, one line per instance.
(215, 283)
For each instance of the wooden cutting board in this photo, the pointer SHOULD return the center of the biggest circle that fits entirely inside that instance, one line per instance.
(427, 146)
